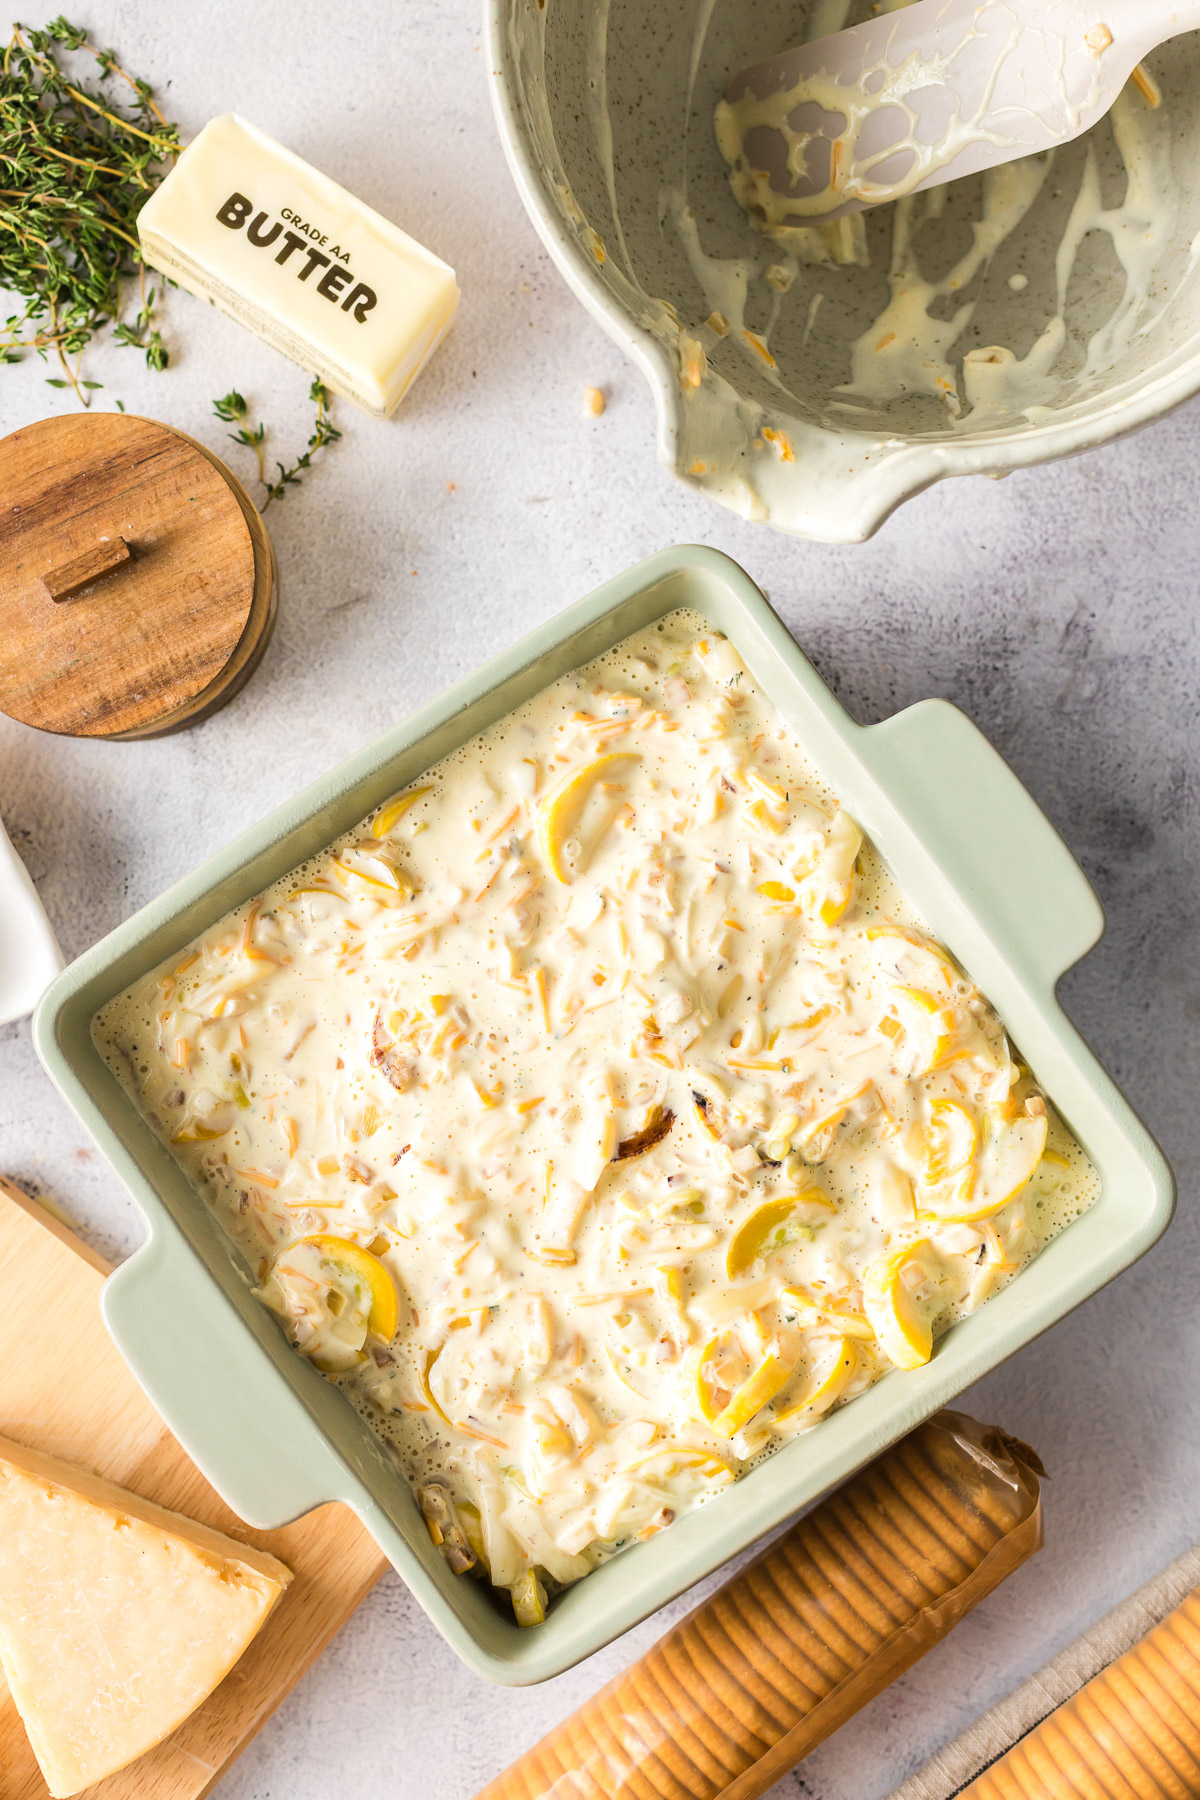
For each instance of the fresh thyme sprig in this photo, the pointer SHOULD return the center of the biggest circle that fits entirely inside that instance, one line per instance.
(324, 433)
(76, 166)
(233, 409)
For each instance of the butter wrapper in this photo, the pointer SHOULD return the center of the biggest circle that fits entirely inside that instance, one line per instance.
(247, 225)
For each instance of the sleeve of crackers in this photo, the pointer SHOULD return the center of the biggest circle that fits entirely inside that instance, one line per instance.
(1132, 1732)
(804, 1636)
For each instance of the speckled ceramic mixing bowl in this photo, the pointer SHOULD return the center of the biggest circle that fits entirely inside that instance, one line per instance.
(276, 1439)
(605, 108)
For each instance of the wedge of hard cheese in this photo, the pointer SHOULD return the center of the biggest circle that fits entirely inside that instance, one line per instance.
(117, 1617)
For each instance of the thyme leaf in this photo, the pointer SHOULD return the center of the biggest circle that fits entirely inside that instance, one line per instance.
(323, 433)
(77, 162)
(233, 409)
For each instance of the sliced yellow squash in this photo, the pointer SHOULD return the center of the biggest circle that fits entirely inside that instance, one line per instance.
(195, 1133)
(390, 814)
(771, 1375)
(922, 1016)
(799, 1308)
(471, 1520)
(814, 1139)
(769, 1228)
(945, 968)
(528, 1599)
(852, 1324)
(950, 1141)
(561, 808)
(614, 1361)
(901, 1324)
(375, 871)
(1001, 1168)
(671, 1460)
(425, 1377)
(366, 1273)
(806, 1310)
(710, 1394)
(825, 894)
(828, 1380)
(668, 1285)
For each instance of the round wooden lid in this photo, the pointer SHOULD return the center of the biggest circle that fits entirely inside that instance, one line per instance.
(127, 574)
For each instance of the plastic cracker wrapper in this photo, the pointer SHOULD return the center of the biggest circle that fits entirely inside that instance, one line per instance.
(1132, 1732)
(1115, 1714)
(792, 1647)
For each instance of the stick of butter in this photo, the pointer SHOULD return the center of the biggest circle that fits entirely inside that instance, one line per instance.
(275, 244)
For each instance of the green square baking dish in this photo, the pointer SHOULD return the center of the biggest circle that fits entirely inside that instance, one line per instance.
(275, 1439)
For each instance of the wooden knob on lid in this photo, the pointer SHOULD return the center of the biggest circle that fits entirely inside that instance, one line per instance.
(137, 582)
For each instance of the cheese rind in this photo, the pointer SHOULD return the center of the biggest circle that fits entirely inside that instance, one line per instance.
(245, 223)
(117, 1617)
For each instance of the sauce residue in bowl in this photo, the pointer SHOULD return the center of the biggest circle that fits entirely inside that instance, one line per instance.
(804, 369)
(916, 344)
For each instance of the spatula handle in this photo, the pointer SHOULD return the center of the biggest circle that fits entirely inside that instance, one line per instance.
(1147, 22)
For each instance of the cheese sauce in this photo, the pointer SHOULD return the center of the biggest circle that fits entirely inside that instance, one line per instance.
(597, 1114)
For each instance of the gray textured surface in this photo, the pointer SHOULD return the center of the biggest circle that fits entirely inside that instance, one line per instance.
(1057, 607)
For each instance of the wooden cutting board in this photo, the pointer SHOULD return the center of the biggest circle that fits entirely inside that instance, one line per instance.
(65, 1389)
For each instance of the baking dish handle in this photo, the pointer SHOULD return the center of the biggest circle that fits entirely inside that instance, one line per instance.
(995, 844)
(200, 1366)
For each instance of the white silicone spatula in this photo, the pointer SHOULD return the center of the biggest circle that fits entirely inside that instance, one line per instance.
(925, 94)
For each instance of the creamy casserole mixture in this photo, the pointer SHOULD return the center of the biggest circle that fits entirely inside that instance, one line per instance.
(597, 1114)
